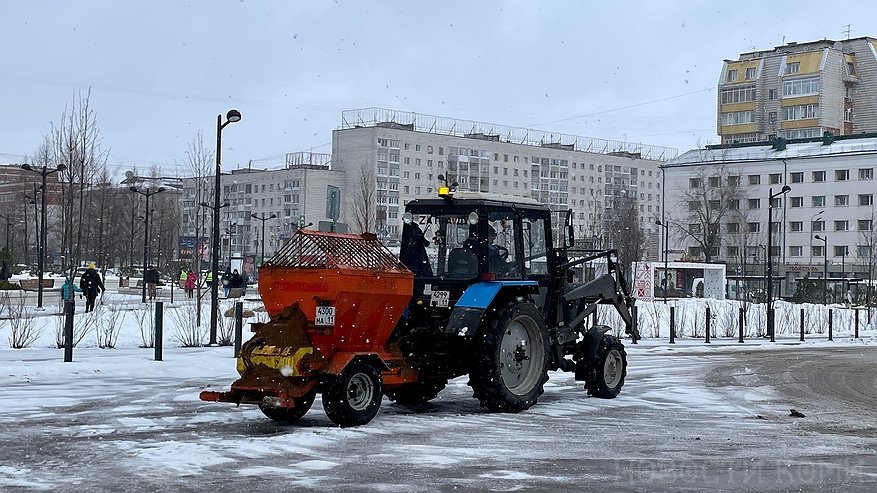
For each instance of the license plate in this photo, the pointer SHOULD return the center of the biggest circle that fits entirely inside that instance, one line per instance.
(325, 316)
(440, 298)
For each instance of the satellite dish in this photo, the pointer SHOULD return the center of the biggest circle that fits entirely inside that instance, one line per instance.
(838, 45)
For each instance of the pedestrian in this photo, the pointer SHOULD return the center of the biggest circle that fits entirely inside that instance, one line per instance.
(190, 283)
(91, 285)
(236, 281)
(226, 281)
(183, 276)
(151, 278)
(69, 290)
(208, 279)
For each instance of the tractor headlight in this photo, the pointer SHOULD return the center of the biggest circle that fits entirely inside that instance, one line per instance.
(286, 370)
(473, 218)
(407, 218)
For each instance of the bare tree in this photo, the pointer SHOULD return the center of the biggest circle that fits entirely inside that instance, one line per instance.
(363, 205)
(199, 166)
(625, 231)
(711, 196)
(867, 254)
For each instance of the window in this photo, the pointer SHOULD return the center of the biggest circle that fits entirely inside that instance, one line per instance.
(819, 176)
(817, 226)
(694, 183)
(429, 149)
(797, 201)
(694, 228)
(715, 182)
(866, 174)
(776, 203)
(842, 175)
(841, 200)
(733, 181)
(796, 251)
(733, 251)
(796, 226)
(733, 228)
(796, 177)
(841, 225)
(792, 68)
(737, 117)
(754, 203)
(866, 199)
(738, 95)
(417, 147)
(771, 94)
(692, 205)
(752, 227)
(441, 151)
(800, 112)
(801, 133)
(734, 204)
(775, 178)
(772, 117)
(800, 87)
(750, 73)
(841, 250)
(732, 75)
(865, 224)
(817, 250)
(863, 251)
(755, 179)
(851, 69)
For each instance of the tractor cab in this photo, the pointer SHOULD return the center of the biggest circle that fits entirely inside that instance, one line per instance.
(451, 243)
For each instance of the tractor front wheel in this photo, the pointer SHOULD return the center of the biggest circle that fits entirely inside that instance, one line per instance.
(288, 415)
(354, 396)
(610, 368)
(511, 359)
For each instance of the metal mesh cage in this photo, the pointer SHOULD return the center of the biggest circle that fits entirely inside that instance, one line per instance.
(315, 249)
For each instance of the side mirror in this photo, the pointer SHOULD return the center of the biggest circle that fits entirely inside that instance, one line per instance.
(570, 236)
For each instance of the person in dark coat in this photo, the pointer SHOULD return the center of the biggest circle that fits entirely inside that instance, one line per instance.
(225, 281)
(91, 285)
(151, 277)
(236, 281)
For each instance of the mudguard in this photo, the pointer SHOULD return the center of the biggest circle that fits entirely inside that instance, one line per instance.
(470, 308)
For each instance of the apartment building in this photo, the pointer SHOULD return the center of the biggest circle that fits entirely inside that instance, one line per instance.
(405, 153)
(832, 196)
(294, 192)
(799, 90)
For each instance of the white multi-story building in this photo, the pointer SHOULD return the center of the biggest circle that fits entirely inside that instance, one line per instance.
(404, 154)
(294, 192)
(832, 197)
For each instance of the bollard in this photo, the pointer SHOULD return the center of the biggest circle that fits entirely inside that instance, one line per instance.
(238, 327)
(707, 341)
(829, 325)
(69, 306)
(856, 324)
(634, 323)
(672, 325)
(740, 322)
(159, 328)
(771, 315)
(802, 325)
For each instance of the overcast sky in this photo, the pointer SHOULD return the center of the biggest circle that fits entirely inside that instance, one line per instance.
(160, 71)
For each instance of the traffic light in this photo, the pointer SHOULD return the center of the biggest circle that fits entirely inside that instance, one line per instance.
(301, 221)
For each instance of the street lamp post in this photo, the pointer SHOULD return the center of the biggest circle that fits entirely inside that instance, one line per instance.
(824, 240)
(148, 193)
(812, 219)
(44, 172)
(8, 224)
(770, 315)
(232, 116)
(263, 218)
(665, 280)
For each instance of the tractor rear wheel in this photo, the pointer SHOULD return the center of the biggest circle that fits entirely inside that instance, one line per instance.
(354, 396)
(415, 394)
(610, 368)
(511, 359)
(288, 415)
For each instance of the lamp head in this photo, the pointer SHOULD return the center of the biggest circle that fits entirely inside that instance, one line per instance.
(133, 189)
(26, 167)
(786, 189)
(204, 204)
(161, 189)
(233, 116)
(61, 167)
(818, 237)
(273, 216)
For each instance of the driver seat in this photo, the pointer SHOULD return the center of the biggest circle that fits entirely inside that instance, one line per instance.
(462, 263)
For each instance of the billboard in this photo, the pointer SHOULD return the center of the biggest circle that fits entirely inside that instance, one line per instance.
(189, 244)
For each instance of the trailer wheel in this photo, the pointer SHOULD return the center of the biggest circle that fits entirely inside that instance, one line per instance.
(354, 396)
(416, 394)
(511, 359)
(288, 415)
(610, 368)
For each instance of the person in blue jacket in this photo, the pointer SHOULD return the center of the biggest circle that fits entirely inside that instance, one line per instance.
(69, 290)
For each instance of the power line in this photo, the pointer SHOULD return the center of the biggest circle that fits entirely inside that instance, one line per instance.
(637, 105)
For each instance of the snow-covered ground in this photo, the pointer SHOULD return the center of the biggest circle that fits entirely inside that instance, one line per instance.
(114, 419)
